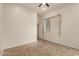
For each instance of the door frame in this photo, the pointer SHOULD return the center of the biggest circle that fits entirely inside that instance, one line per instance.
(59, 34)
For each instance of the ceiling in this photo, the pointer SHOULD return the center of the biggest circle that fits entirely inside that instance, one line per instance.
(34, 7)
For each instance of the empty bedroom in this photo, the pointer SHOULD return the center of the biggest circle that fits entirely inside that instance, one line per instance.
(39, 29)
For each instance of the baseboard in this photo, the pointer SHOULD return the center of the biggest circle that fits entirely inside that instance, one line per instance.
(57, 43)
(13, 46)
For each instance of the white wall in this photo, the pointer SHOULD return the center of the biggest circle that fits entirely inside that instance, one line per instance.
(69, 25)
(20, 25)
(39, 27)
(1, 29)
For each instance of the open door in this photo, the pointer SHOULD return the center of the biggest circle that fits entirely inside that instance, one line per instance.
(52, 28)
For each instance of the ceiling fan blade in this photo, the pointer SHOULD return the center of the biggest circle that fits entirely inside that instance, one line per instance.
(40, 4)
(47, 4)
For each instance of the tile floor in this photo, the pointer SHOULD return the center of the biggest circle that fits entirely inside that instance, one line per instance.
(41, 48)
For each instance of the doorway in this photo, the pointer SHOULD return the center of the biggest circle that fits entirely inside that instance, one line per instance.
(50, 28)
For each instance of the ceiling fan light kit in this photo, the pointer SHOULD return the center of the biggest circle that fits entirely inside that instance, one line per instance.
(46, 4)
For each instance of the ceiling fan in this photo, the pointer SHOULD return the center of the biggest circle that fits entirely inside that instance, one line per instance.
(45, 4)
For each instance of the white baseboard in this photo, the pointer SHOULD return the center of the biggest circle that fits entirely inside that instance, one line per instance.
(27, 42)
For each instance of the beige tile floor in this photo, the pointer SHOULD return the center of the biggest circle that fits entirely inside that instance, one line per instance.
(41, 48)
